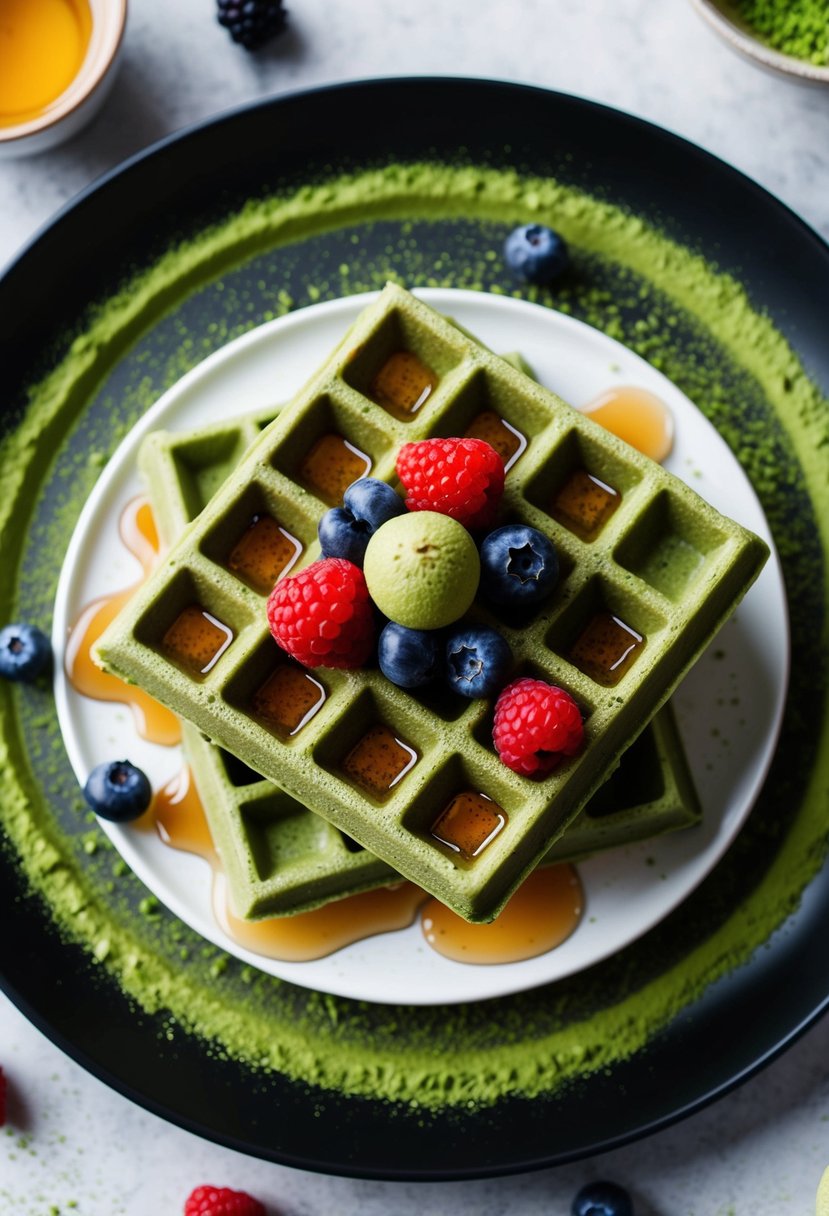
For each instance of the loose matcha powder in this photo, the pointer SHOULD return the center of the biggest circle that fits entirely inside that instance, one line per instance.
(795, 27)
(437, 226)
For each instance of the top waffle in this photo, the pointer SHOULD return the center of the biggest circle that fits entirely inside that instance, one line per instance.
(639, 552)
(280, 858)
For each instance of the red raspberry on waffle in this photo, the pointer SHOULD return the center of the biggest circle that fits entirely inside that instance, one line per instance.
(323, 615)
(536, 726)
(463, 478)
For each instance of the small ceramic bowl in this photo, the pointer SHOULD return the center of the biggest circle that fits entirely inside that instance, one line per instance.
(724, 18)
(69, 112)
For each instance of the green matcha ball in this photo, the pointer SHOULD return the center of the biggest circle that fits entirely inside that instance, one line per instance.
(422, 570)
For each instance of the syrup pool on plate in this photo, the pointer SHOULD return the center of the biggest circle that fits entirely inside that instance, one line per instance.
(179, 818)
(540, 915)
(636, 415)
(400, 967)
(152, 721)
(377, 762)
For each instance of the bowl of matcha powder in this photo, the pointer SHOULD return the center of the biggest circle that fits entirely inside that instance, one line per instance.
(785, 36)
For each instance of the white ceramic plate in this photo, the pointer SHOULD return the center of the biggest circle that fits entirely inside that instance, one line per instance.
(729, 707)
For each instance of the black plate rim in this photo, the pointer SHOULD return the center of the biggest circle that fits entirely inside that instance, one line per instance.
(17, 264)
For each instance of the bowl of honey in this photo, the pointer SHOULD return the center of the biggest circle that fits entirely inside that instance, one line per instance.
(57, 63)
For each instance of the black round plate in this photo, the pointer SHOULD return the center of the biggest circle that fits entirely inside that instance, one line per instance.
(178, 187)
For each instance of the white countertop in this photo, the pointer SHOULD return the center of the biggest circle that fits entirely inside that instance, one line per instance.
(761, 1150)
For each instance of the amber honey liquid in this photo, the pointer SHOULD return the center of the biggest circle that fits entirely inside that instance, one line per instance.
(584, 504)
(468, 823)
(264, 552)
(541, 915)
(402, 385)
(42, 46)
(508, 442)
(288, 699)
(196, 640)
(379, 762)
(152, 721)
(606, 648)
(181, 823)
(636, 415)
(330, 466)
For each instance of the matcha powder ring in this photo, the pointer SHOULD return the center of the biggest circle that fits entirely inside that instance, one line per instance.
(320, 1082)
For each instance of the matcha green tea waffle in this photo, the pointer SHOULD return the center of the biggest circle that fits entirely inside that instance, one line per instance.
(641, 556)
(280, 858)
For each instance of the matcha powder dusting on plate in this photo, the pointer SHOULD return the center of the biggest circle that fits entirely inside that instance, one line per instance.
(796, 27)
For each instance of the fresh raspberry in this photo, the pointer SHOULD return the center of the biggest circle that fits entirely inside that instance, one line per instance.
(463, 478)
(536, 725)
(222, 1201)
(323, 616)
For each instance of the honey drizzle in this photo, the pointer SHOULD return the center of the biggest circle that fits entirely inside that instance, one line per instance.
(379, 761)
(152, 721)
(637, 416)
(263, 553)
(323, 931)
(508, 442)
(177, 816)
(331, 465)
(541, 915)
(403, 384)
(182, 824)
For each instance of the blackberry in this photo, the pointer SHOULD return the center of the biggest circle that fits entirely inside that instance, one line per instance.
(252, 23)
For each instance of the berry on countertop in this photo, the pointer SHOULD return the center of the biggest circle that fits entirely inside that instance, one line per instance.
(367, 504)
(462, 478)
(252, 23)
(222, 1201)
(25, 652)
(536, 253)
(536, 725)
(477, 661)
(519, 566)
(323, 616)
(117, 790)
(408, 657)
(602, 1199)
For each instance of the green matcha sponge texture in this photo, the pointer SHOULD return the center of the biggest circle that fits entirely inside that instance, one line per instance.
(280, 858)
(666, 563)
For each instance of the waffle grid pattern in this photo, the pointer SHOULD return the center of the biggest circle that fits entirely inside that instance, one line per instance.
(638, 568)
(279, 857)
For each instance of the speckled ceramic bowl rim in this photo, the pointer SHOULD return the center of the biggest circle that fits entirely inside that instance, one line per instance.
(723, 19)
(109, 19)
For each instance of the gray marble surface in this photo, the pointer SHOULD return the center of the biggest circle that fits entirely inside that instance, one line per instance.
(759, 1151)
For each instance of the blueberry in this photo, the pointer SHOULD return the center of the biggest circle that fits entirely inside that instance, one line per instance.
(408, 657)
(602, 1199)
(374, 501)
(519, 566)
(25, 652)
(117, 790)
(477, 661)
(536, 253)
(367, 504)
(341, 535)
